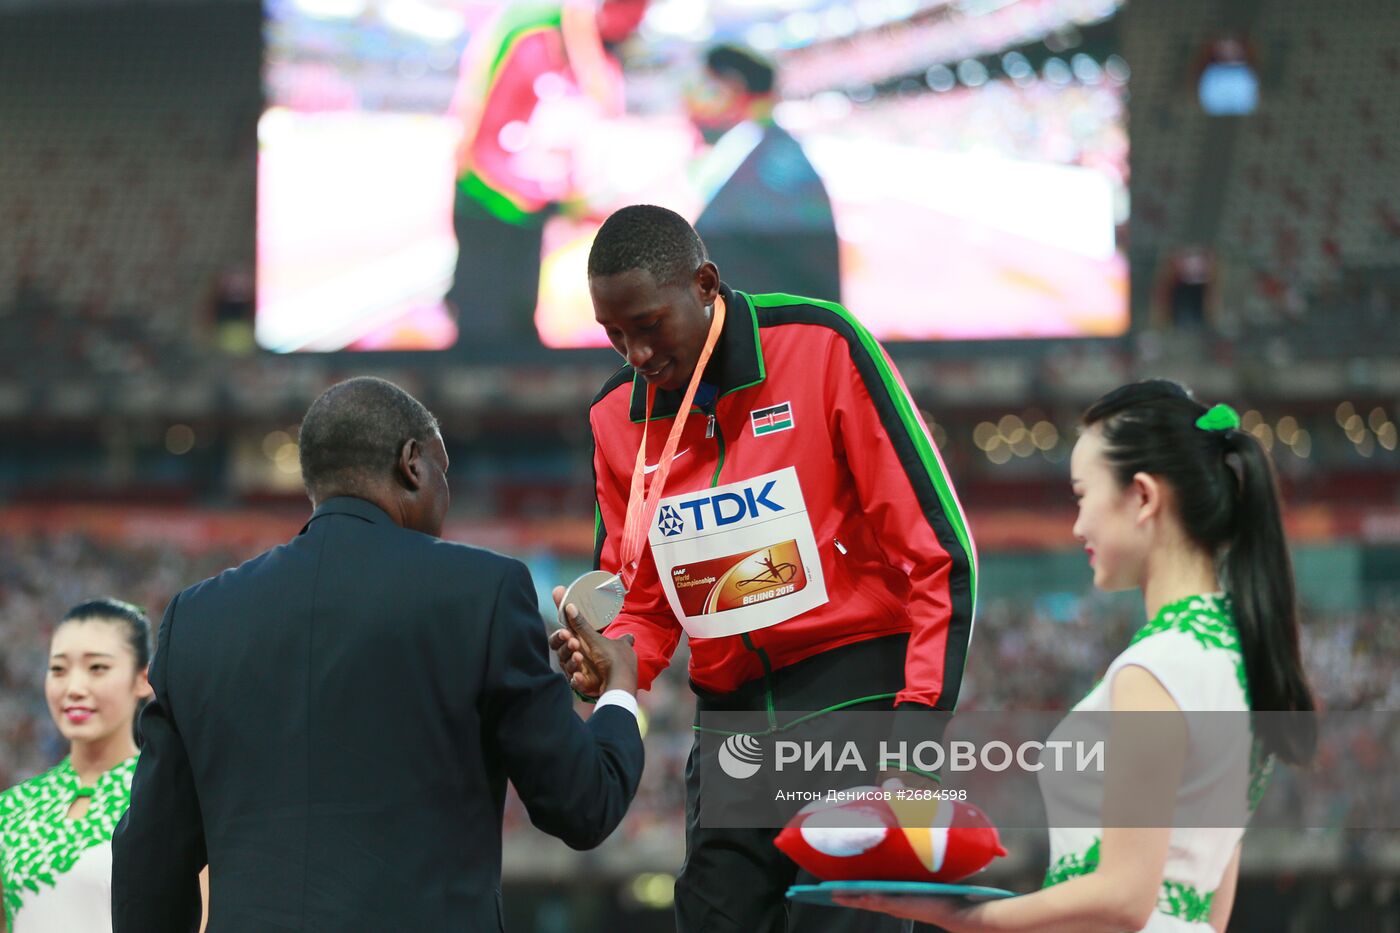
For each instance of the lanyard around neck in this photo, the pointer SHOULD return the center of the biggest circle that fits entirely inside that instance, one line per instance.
(641, 508)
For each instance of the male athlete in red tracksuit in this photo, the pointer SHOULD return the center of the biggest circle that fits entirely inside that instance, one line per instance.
(808, 539)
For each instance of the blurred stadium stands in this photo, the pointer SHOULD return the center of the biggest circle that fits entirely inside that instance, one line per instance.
(126, 180)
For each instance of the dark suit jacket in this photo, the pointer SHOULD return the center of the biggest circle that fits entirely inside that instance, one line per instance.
(333, 728)
(770, 227)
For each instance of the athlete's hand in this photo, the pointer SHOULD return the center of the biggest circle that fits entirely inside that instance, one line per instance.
(592, 662)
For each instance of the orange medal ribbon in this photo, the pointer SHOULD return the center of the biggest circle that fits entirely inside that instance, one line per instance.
(641, 508)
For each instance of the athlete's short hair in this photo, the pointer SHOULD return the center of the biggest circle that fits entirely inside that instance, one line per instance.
(644, 236)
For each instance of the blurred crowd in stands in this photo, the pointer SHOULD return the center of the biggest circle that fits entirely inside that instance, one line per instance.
(1038, 653)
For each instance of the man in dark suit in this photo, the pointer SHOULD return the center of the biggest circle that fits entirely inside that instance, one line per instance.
(767, 220)
(335, 720)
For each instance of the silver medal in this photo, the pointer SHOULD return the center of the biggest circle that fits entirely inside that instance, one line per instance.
(598, 595)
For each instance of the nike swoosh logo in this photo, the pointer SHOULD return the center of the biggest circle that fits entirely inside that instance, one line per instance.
(651, 468)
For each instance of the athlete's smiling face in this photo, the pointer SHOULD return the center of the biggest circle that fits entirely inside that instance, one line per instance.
(659, 329)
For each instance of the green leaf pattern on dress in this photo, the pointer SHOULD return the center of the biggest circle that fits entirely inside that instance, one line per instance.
(1184, 901)
(1175, 899)
(1210, 620)
(38, 842)
(1072, 866)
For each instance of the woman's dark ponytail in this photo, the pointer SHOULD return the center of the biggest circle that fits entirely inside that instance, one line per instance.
(1259, 578)
(1229, 504)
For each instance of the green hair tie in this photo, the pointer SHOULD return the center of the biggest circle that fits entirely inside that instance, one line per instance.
(1220, 418)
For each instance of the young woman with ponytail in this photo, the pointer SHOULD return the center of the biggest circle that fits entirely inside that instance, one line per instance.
(1177, 501)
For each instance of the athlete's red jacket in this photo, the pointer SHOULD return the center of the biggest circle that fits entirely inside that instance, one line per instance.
(894, 549)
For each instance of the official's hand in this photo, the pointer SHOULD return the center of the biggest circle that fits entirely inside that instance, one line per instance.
(569, 648)
(593, 662)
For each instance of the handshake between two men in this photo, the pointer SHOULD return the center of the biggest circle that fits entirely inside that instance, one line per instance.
(592, 662)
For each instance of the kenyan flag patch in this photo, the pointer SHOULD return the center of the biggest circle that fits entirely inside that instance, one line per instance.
(772, 419)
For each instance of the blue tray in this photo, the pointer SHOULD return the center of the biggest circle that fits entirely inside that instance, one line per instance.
(823, 893)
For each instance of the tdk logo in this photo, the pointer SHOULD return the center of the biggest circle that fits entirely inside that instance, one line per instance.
(726, 508)
(670, 522)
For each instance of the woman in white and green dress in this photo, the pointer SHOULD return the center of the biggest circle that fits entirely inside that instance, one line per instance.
(1174, 499)
(56, 828)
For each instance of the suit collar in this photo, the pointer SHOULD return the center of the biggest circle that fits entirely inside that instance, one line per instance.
(350, 505)
(737, 362)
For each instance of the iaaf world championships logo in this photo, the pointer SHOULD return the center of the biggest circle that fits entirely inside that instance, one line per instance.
(741, 756)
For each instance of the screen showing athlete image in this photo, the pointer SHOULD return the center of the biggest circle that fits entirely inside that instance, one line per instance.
(432, 172)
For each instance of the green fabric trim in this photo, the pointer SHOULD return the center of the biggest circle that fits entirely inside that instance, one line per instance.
(840, 706)
(1209, 618)
(767, 680)
(907, 416)
(598, 530)
(757, 347)
(719, 436)
(37, 840)
(492, 202)
(1174, 899)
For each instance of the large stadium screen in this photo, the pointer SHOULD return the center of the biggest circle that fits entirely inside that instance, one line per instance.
(432, 172)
